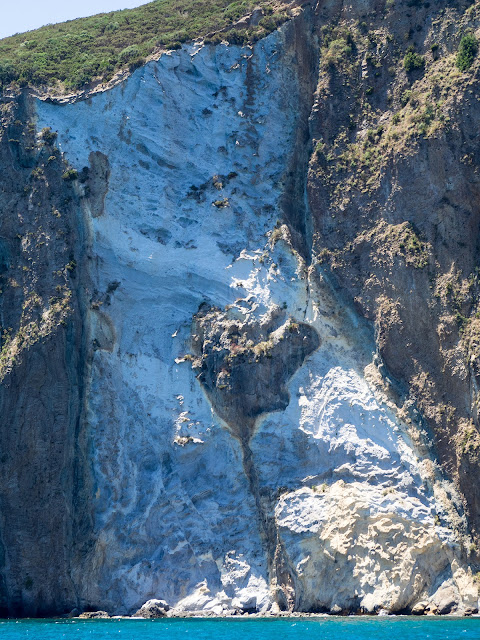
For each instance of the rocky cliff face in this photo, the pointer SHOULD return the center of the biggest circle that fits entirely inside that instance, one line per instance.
(42, 242)
(238, 370)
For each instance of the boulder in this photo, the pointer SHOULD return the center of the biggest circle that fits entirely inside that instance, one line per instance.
(431, 609)
(446, 600)
(246, 603)
(87, 615)
(419, 609)
(153, 609)
(470, 611)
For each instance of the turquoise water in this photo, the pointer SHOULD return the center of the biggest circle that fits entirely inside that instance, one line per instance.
(382, 628)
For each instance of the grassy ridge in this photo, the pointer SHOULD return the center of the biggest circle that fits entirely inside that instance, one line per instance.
(70, 55)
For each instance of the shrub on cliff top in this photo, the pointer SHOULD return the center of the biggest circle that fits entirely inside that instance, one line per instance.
(128, 54)
(7, 71)
(467, 51)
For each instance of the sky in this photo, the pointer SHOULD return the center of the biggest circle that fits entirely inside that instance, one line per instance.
(24, 15)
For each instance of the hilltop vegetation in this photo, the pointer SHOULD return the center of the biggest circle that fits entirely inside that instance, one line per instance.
(69, 55)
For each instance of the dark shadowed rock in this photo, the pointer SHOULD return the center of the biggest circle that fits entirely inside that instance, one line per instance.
(419, 609)
(153, 609)
(43, 519)
(446, 600)
(244, 365)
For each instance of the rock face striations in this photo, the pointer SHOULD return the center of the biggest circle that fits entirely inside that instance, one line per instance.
(44, 512)
(239, 327)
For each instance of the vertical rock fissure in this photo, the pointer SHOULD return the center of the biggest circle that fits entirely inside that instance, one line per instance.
(294, 201)
(244, 369)
(82, 517)
(279, 572)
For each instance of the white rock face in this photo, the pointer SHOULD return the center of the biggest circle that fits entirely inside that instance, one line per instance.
(198, 145)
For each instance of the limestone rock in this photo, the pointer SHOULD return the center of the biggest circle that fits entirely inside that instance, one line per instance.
(91, 615)
(419, 608)
(231, 354)
(446, 600)
(246, 604)
(153, 609)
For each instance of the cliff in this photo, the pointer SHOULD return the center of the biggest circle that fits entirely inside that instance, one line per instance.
(239, 325)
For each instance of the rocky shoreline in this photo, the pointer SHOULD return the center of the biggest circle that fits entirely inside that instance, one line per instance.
(155, 609)
(96, 615)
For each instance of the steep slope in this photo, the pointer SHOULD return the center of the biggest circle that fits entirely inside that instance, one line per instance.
(41, 370)
(394, 195)
(255, 397)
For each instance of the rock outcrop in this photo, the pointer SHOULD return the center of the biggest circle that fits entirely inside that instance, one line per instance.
(44, 518)
(153, 609)
(393, 188)
(238, 329)
(94, 615)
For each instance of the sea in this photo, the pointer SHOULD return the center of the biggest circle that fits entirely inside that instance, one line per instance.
(327, 628)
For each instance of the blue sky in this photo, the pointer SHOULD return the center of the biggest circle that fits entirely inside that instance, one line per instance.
(24, 15)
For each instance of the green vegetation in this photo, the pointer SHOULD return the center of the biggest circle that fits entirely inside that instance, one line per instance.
(221, 204)
(243, 36)
(70, 174)
(413, 61)
(415, 251)
(72, 54)
(31, 331)
(380, 115)
(48, 136)
(467, 51)
(337, 51)
(338, 46)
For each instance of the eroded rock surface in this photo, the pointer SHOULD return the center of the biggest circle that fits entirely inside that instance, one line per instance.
(153, 609)
(245, 366)
(44, 513)
(255, 413)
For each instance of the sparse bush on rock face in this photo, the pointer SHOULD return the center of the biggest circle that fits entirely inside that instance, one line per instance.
(413, 61)
(70, 174)
(48, 136)
(337, 48)
(467, 52)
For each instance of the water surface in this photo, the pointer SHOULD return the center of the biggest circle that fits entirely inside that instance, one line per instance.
(354, 628)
